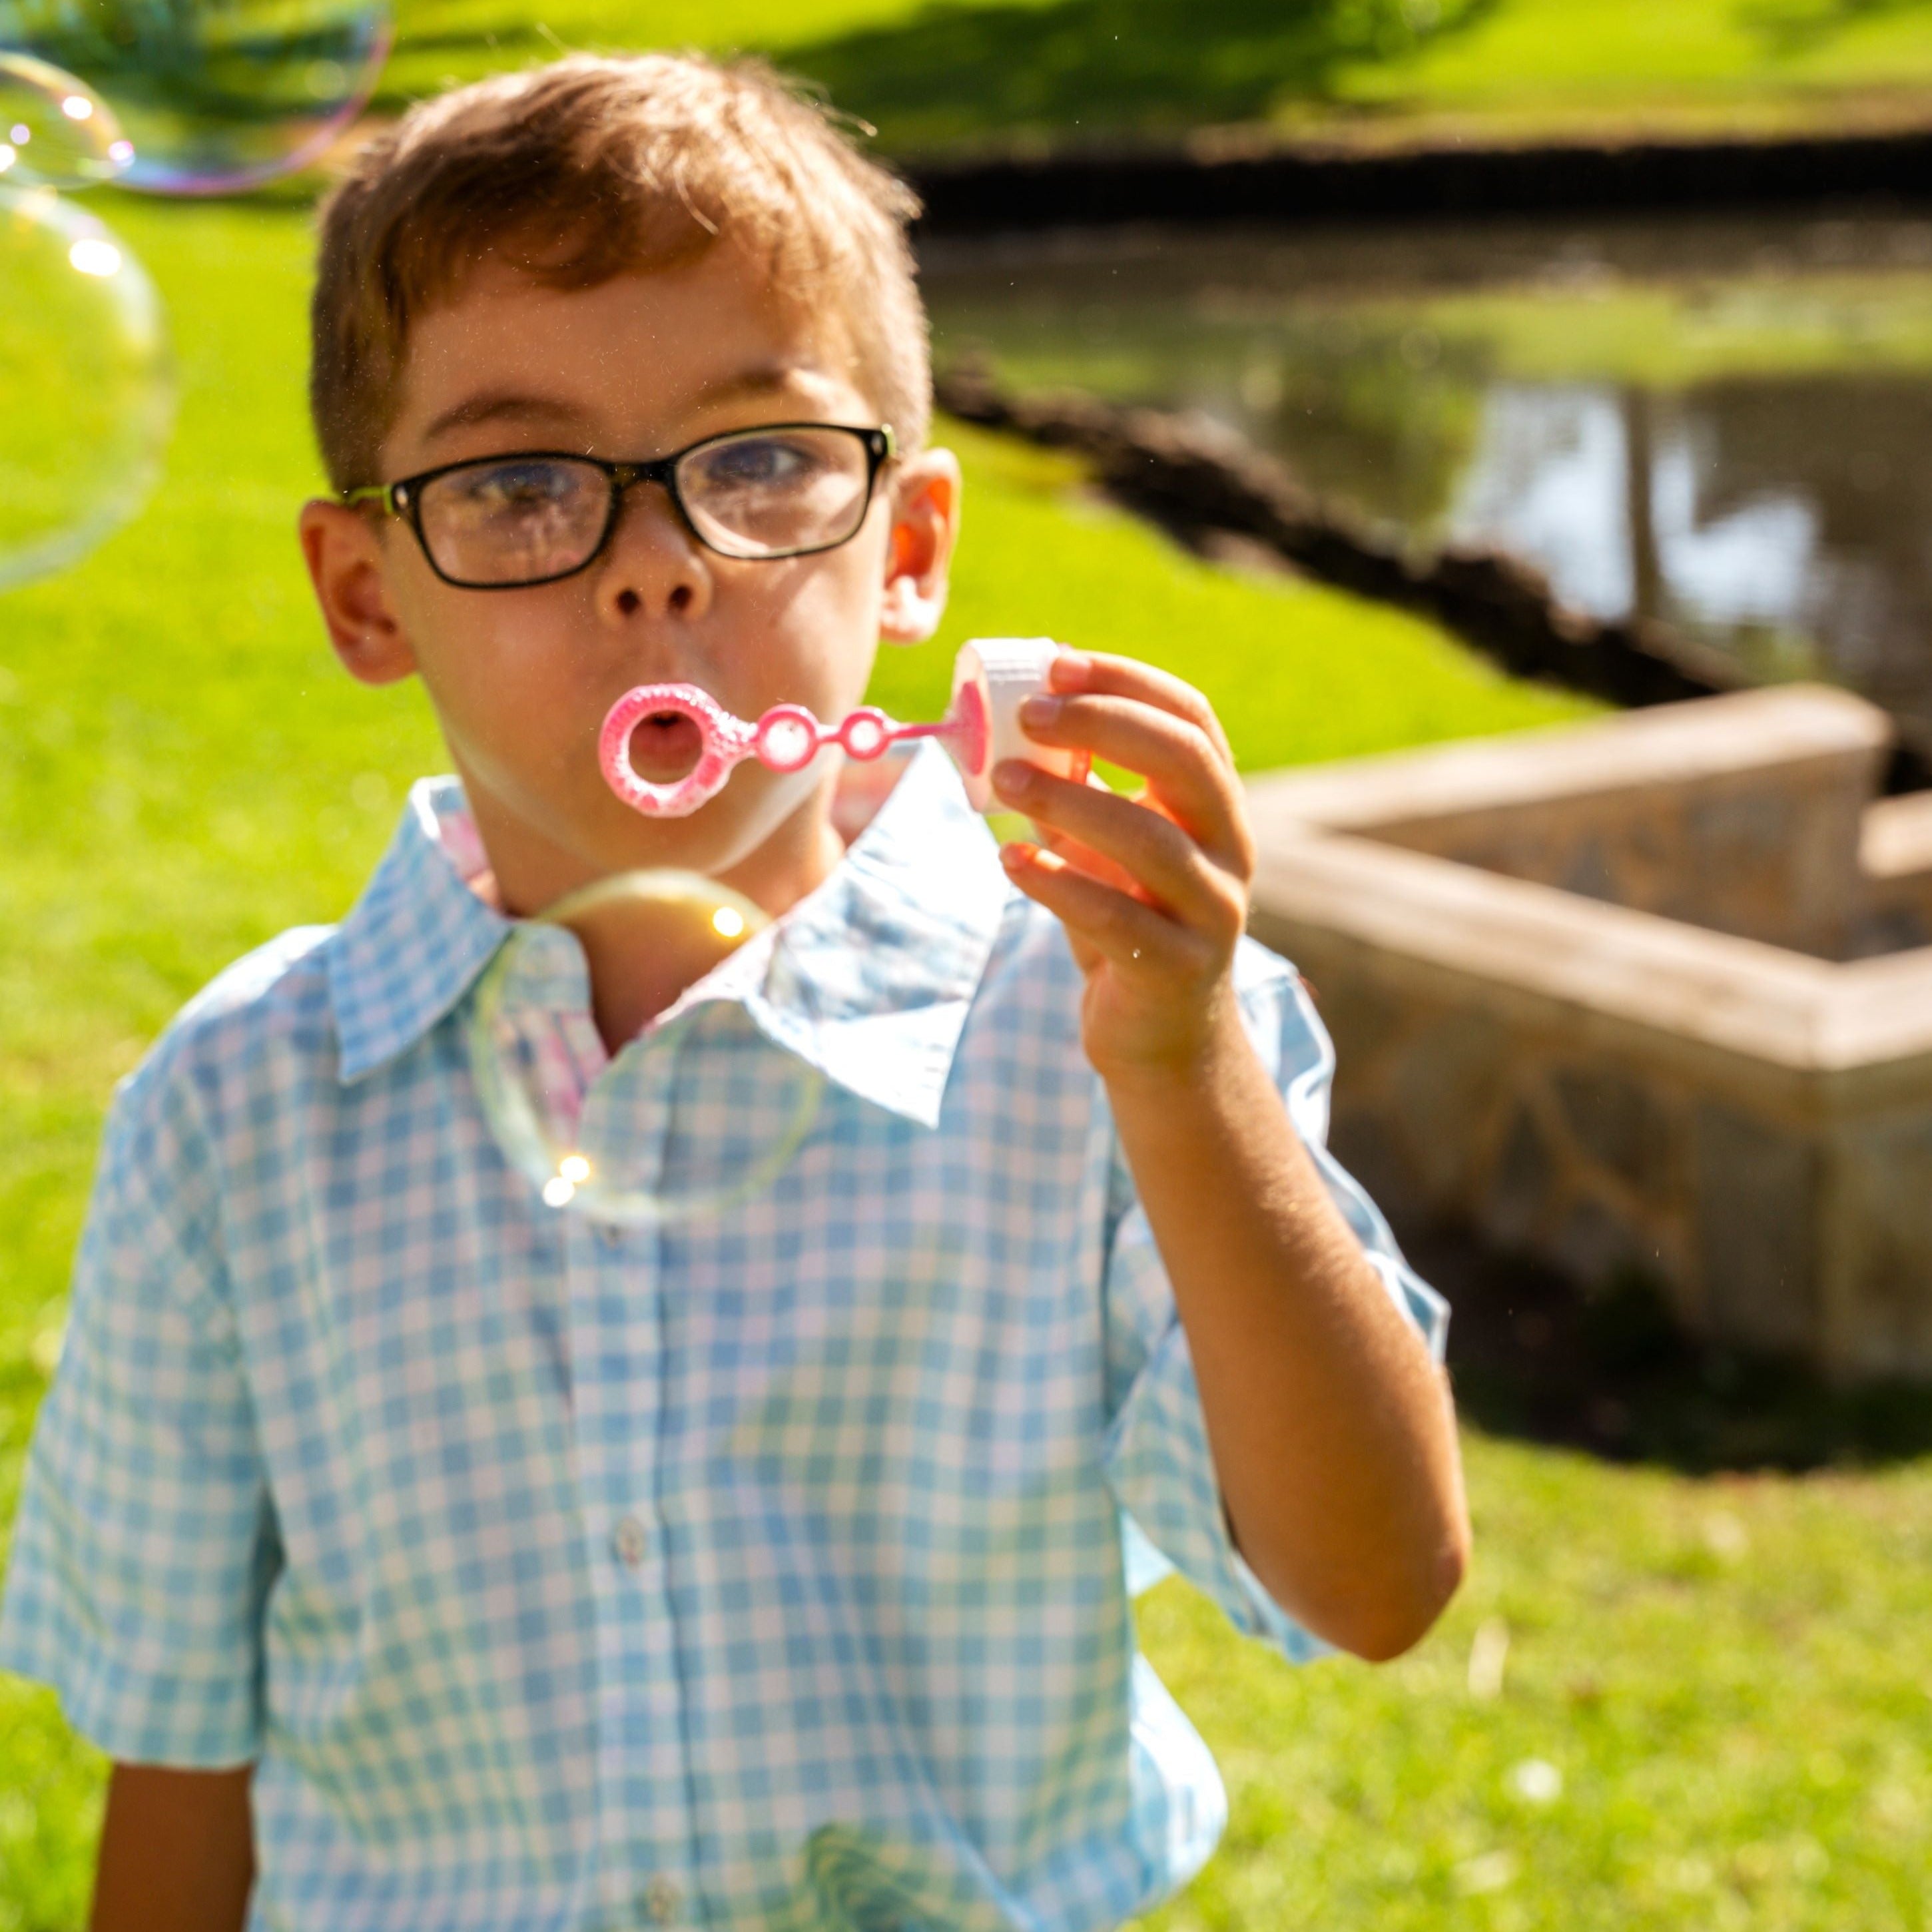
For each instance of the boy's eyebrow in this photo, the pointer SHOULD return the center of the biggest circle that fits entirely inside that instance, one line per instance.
(504, 406)
(517, 406)
(765, 381)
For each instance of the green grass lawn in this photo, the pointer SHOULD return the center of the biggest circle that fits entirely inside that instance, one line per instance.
(930, 72)
(1722, 1677)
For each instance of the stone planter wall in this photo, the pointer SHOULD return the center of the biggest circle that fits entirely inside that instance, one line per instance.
(1616, 995)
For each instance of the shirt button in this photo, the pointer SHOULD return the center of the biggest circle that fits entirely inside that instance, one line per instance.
(630, 1542)
(660, 1900)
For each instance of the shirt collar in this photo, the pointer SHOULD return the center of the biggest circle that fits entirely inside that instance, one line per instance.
(869, 977)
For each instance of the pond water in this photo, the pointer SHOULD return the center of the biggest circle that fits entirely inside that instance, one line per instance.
(1724, 424)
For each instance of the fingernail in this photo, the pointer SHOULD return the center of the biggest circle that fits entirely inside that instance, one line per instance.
(1015, 856)
(1072, 666)
(1014, 775)
(1040, 710)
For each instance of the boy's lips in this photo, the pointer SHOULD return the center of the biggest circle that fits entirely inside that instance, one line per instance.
(664, 746)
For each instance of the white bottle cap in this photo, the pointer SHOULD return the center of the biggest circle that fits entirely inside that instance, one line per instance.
(1004, 672)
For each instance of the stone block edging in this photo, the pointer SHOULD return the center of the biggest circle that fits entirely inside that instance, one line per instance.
(1524, 1051)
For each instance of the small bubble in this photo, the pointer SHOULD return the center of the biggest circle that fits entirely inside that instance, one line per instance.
(93, 255)
(1489, 1655)
(1895, 1804)
(78, 310)
(1262, 387)
(1421, 349)
(370, 792)
(46, 1349)
(1489, 1873)
(1810, 1859)
(1726, 1537)
(1688, 1874)
(557, 1191)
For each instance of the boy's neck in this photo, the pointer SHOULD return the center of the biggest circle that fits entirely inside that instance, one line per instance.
(642, 955)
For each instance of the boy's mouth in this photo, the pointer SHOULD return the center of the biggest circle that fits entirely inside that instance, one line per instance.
(665, 746)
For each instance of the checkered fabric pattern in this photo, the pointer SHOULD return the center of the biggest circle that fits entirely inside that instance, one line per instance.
(767, 1571)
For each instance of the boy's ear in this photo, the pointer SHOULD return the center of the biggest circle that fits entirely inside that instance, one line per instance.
(346, 564)
(926, 525)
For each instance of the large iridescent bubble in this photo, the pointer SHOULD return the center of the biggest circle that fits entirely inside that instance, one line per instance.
(217, 96)
(86, 383)
(695, 1117)
(54, 131)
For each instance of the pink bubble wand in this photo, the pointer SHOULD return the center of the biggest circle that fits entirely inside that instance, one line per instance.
(991, 679)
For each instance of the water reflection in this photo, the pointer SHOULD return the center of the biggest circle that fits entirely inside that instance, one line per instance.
(1726, 424)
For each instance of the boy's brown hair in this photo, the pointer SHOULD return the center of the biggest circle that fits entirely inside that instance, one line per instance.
(590, 169)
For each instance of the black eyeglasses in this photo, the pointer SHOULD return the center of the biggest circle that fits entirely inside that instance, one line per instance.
(506, 523)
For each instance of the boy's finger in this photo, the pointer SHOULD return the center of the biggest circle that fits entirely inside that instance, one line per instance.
(1194, 787)
(1170, 867)
(1084, 859)
(1106, 675)
(1131, 934)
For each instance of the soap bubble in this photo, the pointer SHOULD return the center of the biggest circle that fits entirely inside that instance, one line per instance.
(217, 96)
(86, 385)
(685, 1120)
(54, 131)
(1537, 1781)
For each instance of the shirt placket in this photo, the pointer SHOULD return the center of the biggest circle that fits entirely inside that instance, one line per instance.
(617, 1314)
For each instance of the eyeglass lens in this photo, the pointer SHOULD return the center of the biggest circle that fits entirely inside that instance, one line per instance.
(767, 492)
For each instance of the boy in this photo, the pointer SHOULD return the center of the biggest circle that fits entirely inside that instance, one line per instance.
(426, 1559)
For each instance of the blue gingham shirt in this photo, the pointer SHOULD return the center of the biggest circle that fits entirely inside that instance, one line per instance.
(765, 1570)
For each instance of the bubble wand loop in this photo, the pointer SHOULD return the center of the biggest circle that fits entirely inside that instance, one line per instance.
(991, 679)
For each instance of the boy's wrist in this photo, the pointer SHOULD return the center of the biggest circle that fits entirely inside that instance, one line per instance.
(1193, 1066)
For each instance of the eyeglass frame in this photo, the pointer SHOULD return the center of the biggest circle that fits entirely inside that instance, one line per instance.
(403, 498)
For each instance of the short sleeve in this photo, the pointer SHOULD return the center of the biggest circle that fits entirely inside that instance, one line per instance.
(1157, 1459)
(144, 1546)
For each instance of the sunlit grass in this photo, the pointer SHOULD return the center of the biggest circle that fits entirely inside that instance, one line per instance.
(1714, 1671)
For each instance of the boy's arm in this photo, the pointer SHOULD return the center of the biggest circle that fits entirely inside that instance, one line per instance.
(177, 1852)
(1333, 1437)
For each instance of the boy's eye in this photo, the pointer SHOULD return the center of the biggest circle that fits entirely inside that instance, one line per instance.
(757, 462)
(512, 487)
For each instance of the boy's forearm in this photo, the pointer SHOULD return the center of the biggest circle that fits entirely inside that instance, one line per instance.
(177, 1852)
(1333, 1434)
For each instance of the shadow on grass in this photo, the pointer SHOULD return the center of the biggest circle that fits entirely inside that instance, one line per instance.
(1611, 1375)
(956, 71)
(1790, 28)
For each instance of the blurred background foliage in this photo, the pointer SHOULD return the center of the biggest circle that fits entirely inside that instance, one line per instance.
(929, 72)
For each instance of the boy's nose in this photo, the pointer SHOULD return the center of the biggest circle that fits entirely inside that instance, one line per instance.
(653, 565)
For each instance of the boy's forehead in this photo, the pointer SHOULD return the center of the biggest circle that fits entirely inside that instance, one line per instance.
(645, 356)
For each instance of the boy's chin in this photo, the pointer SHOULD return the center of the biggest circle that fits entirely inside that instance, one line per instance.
(726, 831)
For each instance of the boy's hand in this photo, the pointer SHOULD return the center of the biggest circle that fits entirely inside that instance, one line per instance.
(1153, 889)
(1333, 1437)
